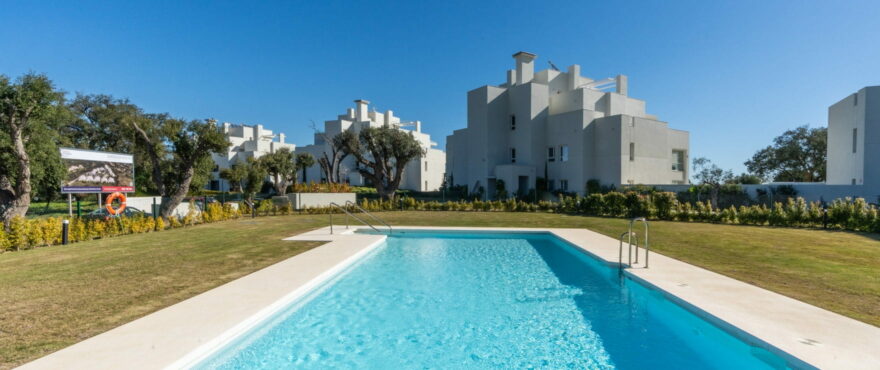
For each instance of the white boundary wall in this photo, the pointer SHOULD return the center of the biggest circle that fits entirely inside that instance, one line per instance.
(315, 200)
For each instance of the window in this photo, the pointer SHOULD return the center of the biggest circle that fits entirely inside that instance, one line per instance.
(632, 152)
(551, 185)
(563, 153)
(678, 160)
(512, 155)
(563, 185)
(512, 123)
(855, 138)
(426, 166)
(550, 155)
(854, 181)
(426, 186)
(856, 100)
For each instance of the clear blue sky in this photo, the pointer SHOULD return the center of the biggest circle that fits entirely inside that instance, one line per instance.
(735, 74)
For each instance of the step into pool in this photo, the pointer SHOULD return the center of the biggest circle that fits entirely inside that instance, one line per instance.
(428, 299)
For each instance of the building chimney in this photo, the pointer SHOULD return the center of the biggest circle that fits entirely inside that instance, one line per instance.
(388, 115)
(511, 77)
(257, 130)
(361, 111)
(351, 113)
(281, 137)
(525, 69)
(574, 74)
(621, 82)
(418, 126)
(226, 126)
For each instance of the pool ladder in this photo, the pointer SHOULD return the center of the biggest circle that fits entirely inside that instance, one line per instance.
(349, 214)
(632, 236)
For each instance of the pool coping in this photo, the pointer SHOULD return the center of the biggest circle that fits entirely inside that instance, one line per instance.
(181, 335)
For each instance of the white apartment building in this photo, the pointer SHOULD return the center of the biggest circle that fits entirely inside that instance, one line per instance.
(569, 127)
(854, 140)
(246, 142)
(423, 174)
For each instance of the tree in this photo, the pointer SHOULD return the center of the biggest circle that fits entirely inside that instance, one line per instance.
(246, 177)
(746, 179)
(28, 155)
(332, 163)
(303, 162)
(281, 166)
(101, 122)
(179, 152)
(797, 155)
(383, 154)
(707, 173)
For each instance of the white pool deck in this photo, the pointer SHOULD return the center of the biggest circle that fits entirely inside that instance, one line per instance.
(180, 335)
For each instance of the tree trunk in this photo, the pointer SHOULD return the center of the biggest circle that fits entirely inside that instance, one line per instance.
(170, 203)
(16, 199)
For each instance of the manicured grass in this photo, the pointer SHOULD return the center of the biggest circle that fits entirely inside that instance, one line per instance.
(54, 297)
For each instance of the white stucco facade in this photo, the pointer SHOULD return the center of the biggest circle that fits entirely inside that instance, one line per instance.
(567, 126)
(854, 139)
(423, 174)
(245, 142)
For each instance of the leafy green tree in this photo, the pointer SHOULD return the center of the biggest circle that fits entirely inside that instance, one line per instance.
(746, 179)
(281, 167)
(709, 174)
(797, 155)
(179, 153)
(383, 154)
(303, 162)
(245, 176)
(29, 158)
(331, 162)
(102, 122)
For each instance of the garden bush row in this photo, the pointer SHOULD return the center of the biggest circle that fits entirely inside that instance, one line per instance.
(844, 214)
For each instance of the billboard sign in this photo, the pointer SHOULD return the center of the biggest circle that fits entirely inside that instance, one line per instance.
(90, 171)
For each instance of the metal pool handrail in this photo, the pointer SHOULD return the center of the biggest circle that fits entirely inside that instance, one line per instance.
(647, 244)
(353, 204)
(347, 214)
(629, 247)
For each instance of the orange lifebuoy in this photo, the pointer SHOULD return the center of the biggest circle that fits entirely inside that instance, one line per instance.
(109, 203)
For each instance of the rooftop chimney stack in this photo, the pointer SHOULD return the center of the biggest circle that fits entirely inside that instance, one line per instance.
(350, 113)
(361, 110)
(574, 74)
(281, 138)
(525, 68)
(388, 115)
(621, 82)
(511, 77)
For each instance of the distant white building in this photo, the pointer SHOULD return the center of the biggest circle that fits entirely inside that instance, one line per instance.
(854, 140)
(423, 174)
(567, 126)
(246, 142)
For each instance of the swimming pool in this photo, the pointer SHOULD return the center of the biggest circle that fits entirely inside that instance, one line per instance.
(480, 300)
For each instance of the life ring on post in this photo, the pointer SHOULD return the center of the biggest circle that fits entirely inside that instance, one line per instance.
(109, 203)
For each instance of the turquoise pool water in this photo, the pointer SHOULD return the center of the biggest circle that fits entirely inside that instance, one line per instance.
(488, 300)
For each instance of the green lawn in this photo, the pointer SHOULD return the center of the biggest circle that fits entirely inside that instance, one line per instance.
(54, 297)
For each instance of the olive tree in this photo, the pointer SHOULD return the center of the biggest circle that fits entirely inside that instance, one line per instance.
(281, 167)
(382, 154)
(179, 152)
(29, 157)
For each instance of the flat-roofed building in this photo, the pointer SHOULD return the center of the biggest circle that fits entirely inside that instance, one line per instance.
(565, 127)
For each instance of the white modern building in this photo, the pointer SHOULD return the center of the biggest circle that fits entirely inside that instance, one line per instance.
(423, 174)
(246, 142)
(569, 127)
(854, 139)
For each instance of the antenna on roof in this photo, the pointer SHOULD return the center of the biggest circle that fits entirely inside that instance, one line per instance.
(553, 65)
